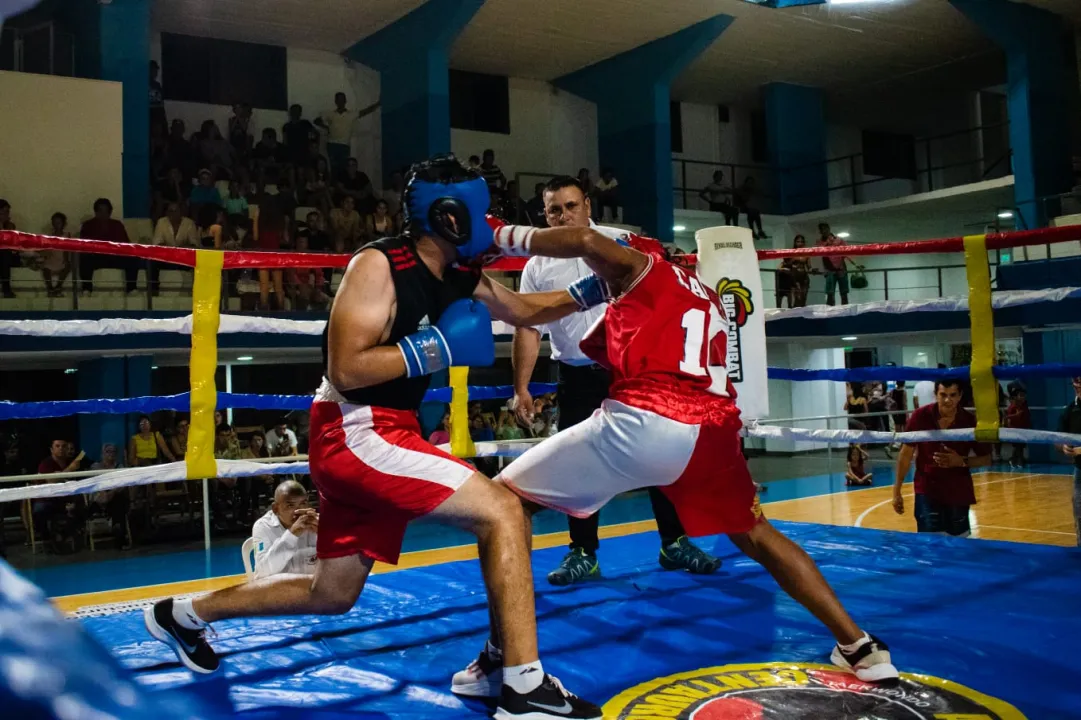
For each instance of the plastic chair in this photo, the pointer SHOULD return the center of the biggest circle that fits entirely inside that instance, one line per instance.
(246, 553)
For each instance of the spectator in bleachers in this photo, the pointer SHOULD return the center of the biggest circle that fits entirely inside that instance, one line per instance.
(534, 207)
(352, 181)
(147, 446)
(272, 232)
(240, 135)
(1070, 422)
(8, 258)
(305, 285)
(441, 435)
(507, 427)
(474, 162)
(492, 174)
(174, 229)
(205, 193)
(345, 226)
(381, 223)
(175, 188)
(56, 264)
(717, 195)
(103, 227)
(280, 440)
(157, 100)
(512, 205)
(393, 196)
(798, 275)
(898, 405)
(236, 205)
(316, 187)
(57, 519)
(181, 153)
(745, 198)
(114, 504)
(269, 154)
(178, 442)
(298, 134)
(834, 267)
(316, 230)
(285, 537)
(216, 152)
(607, 191)
(339, 126)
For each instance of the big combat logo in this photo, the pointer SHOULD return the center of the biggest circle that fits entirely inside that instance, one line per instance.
(800, 691)
(738, 305)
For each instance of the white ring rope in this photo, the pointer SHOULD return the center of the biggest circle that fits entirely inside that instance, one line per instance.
(177, 472)
(999, 300)
(231, 324)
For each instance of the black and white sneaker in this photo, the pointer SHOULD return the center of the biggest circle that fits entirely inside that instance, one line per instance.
(869, 662)
(549, 700)
(189, 645)
(481, 678)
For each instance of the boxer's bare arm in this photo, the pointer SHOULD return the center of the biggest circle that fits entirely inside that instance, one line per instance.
(360, 319)
(617, 264)
(524, 309)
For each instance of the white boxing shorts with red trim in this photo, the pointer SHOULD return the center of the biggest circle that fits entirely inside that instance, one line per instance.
(700, 467)
(375, 473)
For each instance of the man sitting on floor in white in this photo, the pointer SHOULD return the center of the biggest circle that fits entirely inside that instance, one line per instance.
(285, 536)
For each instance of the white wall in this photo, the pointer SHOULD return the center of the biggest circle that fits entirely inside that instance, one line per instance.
(313, 77)
(61, 144)
(551, 132)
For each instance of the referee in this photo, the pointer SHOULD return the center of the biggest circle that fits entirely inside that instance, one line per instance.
(582, 387)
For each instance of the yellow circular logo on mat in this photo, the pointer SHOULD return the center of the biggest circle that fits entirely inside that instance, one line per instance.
(800, 691)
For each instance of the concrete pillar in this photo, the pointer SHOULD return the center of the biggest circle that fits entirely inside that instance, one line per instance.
(411, 55)
(796, 143)
(632, 92)
(1040, 98)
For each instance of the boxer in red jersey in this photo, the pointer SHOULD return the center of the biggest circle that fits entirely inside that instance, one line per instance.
(670, 421)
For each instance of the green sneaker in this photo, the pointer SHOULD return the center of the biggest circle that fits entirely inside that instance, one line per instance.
(685, 555)
(577, 565)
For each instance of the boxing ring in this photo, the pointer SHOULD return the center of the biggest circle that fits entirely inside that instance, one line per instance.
(978, 625)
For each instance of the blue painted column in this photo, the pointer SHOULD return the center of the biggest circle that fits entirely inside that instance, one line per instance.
(632, 93)
(1040, 98)
(125, 54)
(796, 143)
(411, 55)
(102, 378)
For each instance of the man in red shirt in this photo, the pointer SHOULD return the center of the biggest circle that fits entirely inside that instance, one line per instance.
(943, 483)
(103, 227)
(60, 459)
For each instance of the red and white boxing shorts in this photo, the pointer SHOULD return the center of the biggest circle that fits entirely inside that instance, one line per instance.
(621, 448)
(374, 473)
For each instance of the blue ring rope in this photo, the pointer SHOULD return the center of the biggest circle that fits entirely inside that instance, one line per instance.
(181, 401)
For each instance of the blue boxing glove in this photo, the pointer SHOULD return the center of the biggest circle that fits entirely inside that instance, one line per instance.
(590, 291)
(463, 336)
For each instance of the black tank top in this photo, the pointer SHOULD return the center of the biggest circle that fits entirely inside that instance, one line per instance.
(421, 298)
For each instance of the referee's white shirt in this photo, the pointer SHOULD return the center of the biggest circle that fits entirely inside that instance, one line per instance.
(544, 274)
(277, 550)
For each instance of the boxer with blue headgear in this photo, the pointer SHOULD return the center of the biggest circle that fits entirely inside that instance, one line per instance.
(446, 199)
(406, 307)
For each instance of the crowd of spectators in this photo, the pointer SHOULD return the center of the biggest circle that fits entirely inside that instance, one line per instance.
(156, 512)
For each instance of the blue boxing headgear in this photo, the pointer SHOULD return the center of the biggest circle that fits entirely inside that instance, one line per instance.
(440, 190)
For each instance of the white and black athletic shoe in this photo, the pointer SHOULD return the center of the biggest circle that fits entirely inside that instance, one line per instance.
(189, 645)
(547, 701)
(481, 678)
(869, 662)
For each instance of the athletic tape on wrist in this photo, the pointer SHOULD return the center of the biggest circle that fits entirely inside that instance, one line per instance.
(514, 240)
(425, 352)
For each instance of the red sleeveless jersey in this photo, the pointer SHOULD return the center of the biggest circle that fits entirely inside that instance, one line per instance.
(666, 342)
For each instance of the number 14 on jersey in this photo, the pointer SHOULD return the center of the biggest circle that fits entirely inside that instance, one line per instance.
(705, 343)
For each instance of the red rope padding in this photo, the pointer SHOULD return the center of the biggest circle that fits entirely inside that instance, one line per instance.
(235, 259)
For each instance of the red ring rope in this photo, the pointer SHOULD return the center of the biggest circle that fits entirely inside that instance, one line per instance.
(235, 259)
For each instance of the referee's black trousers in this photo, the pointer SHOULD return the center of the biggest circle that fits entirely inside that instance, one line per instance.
(580, 391)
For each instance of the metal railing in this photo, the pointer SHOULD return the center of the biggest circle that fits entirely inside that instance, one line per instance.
(848, 175)
(40, 49)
